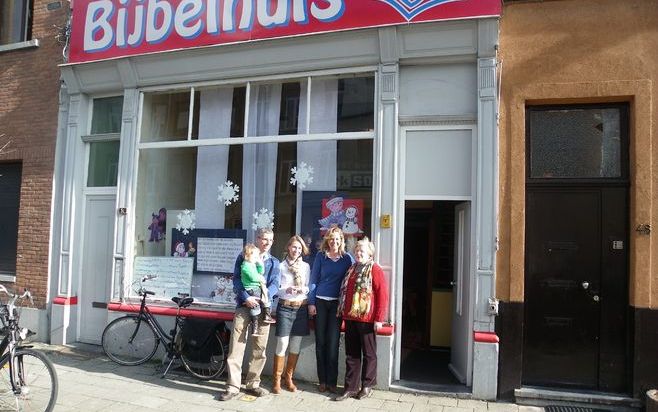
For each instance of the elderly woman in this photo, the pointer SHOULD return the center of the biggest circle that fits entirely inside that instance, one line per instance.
(363, 303)
(327, 274)
(291, 313)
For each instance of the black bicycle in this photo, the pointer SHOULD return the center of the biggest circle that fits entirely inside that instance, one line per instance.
(28, 381)
(200, 344)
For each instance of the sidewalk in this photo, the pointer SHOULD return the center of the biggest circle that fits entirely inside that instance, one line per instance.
(89, 381)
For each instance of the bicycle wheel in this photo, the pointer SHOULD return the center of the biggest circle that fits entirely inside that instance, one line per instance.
(118, 346)
(207, 361)
(36, 385)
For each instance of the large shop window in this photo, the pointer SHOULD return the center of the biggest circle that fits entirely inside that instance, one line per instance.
(10, 194)
(203, 186)
(14, 21)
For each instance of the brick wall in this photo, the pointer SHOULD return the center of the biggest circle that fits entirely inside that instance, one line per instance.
(29, 90)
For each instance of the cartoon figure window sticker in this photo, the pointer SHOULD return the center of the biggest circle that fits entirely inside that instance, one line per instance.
(158, 225)
(322, 209)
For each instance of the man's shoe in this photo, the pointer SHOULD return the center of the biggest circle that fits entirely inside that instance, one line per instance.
(227, 396)
(364, 393)
(332, 389)
(257, 392)
(322, 388)
(346, 395)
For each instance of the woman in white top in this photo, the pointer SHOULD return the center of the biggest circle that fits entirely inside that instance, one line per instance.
(291, 313)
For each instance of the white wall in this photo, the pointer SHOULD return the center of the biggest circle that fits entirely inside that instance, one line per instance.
(438, 90)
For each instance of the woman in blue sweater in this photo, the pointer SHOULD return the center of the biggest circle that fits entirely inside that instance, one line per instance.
(327, 274)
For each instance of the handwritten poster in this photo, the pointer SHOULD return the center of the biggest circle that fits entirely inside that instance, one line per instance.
(170, 276)
(217, 254)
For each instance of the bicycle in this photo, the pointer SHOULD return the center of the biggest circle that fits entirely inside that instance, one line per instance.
(200, 344)
(28, 381)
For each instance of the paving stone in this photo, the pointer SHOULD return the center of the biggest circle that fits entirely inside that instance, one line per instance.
(530, 408)
(387, 395)
(471, 403)
(397, 406)
(502, 407)
(443, 401)
(456, 409)
(414, 398)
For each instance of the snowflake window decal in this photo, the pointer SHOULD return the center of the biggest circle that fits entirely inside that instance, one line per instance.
(186, 221)
(263, 219)
(228, 193)
(302, 175)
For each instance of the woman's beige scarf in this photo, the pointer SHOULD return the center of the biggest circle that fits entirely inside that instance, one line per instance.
(295, 269)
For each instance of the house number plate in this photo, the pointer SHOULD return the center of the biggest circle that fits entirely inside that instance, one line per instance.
(617, 244)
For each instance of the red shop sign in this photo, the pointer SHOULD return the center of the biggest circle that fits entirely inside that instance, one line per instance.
(103, 29)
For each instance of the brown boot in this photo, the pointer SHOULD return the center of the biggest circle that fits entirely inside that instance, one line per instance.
(276, 373)
(291, 364)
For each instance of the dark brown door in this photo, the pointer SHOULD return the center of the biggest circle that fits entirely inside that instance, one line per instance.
(576, 271)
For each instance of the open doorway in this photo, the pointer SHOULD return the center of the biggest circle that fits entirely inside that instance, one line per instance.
(433, 233)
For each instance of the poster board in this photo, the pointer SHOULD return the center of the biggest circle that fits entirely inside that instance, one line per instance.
(214, 252)
(172, 275)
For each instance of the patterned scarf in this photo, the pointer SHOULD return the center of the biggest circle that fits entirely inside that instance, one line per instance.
(295, 268)
(362, 298)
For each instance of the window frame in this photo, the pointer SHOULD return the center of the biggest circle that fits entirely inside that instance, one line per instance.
(7, 276)
(89, 138)
(624, 116)
(26, 29)
(248, 82)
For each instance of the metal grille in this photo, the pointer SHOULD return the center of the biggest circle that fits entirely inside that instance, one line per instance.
(558, 408)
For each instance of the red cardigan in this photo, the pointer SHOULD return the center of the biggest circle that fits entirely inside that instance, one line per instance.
(379, 303)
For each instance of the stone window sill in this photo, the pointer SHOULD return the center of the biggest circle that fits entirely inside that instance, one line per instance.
(30, 44)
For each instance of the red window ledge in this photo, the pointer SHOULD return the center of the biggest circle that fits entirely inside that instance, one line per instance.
(170, 311)
(66, 301)
(486, 337)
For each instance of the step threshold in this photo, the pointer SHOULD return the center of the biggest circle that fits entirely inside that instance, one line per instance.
(537, 396)
(422, 388)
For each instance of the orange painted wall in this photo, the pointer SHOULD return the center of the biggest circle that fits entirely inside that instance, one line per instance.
(579, 51)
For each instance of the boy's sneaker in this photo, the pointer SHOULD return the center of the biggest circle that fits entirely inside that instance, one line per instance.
(254, 329)
(268, 319)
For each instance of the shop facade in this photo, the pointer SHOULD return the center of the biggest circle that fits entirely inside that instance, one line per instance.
(576, 272)
(177, 148)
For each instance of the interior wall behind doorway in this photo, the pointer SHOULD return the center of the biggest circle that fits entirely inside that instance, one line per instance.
(429, 237)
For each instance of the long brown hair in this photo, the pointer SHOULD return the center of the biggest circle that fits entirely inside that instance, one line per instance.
(297, 238)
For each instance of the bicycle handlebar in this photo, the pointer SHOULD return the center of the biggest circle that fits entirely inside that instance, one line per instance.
(13, 296)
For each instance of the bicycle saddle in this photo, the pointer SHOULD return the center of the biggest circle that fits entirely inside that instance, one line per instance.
(182, 302)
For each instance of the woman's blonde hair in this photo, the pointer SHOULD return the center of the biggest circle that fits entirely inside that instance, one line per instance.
(332, 231)
(297, 238)
(367, 244)
(249, 249)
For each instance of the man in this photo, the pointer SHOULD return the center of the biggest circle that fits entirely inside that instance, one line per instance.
(239, 335)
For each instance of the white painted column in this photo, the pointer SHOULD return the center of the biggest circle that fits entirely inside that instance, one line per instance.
(71, 166)
(126, 178)
(485, 357)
